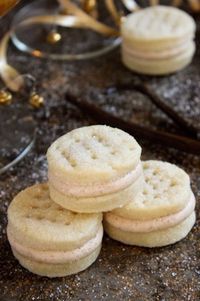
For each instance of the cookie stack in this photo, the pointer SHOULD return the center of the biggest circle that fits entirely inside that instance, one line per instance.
(49, 240)
(94, 169)
(161, 215)
(55, 229)
(158, 40)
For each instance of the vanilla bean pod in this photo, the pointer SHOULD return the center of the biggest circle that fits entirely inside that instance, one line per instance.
(146, 90)
(166, 139)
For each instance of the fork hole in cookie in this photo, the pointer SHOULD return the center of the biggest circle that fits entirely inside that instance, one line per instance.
(173, 183)
(155, 186)
(157, 197)
(73, 164)
(37, 196)
(148, 180)
(63, 154)
(145, 166)
(60, 209)
(145, 192)
(113, 152)
(27, 216)
(45, 206)
(34, 207)
(155, 172)
(39, 217)
(87, 147)
(99, 139)
(44, 187)
(106, 145)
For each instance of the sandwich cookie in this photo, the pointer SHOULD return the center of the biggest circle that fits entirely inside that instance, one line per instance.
(161, 215)
(94, 169)
(49, 240)
(158, 40)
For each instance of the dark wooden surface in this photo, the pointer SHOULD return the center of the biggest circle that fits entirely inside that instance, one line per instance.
(122, 272)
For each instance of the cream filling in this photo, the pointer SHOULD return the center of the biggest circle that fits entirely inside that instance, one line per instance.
(57, 257)
(157, 45)
(165, 222)
(156, 55)
(92, 190)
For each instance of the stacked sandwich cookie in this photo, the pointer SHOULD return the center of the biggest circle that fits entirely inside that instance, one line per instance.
(161, 215)
(94, 169)
(49, 240)
(158, 40)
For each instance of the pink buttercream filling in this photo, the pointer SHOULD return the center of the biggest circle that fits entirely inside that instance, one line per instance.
(156, 55)
(57, 257)
(154, 224)
(73, 189)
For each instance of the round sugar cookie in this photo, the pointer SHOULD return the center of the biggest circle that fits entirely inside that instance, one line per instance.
(157, 238)
(49, 240)
(91, 156)
(35, 221)
(157, 27)
(166, 191)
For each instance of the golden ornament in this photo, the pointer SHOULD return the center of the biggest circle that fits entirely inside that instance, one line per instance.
(36, 100)
(5, 97)
(54, 37)
(89, 6)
